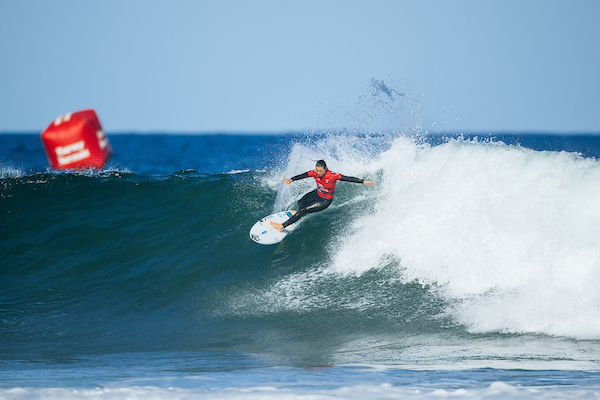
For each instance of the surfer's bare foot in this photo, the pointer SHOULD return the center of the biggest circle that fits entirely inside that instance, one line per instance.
(277, 226)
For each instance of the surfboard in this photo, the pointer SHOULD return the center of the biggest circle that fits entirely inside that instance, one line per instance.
(263, 233)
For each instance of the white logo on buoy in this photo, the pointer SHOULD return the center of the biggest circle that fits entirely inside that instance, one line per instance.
(72, 153)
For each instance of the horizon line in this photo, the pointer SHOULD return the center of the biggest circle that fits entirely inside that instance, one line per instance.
(304, 132)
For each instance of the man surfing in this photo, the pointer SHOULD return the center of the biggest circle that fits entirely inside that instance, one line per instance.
(320, 198)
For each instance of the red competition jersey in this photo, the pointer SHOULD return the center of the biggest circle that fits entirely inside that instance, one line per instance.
(326, 184)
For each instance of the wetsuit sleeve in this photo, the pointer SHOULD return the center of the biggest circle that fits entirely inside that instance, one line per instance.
(301, 176)
(351, 179)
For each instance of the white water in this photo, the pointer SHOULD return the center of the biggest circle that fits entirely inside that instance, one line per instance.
(365, 391)
(508, 236)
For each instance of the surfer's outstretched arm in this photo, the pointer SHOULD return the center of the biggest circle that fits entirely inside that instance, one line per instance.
(356, 180)
(295, 178)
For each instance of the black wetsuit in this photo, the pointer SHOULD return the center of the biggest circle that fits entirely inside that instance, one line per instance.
(320, 198)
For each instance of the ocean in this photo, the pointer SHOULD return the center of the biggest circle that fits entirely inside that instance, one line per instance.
(469, 270)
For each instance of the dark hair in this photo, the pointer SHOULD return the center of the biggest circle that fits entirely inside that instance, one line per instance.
(322, 163)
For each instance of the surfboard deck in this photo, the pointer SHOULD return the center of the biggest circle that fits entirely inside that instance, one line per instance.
(263, 233)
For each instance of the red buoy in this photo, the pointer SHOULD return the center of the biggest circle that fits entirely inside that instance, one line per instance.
(76, 141)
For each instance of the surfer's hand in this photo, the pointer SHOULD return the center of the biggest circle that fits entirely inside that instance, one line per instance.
(369, 183)
(287, 180)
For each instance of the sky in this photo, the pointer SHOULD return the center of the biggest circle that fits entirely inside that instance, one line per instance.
(259, 66)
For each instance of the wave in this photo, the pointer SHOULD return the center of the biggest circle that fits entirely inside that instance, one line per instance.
(507, 235)
(455, 237)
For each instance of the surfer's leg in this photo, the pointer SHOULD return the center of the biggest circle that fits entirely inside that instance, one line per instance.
(280, 227)
(301, 212)
(309, 203)
(308, 199)
(304, 203)
(318, 205)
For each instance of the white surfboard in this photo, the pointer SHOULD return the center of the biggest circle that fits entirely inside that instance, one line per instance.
(263, 233)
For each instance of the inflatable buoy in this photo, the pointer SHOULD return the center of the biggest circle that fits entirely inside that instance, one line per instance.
(76, 141)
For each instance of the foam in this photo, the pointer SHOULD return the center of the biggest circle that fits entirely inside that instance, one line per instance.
(359, 391)
(508, 235)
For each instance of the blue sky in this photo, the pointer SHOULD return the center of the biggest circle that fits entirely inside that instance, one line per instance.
(286, 66)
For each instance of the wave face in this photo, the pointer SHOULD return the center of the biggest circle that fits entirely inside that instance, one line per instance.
(461, 241)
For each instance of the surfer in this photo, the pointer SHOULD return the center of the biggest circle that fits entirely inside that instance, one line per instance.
(320, 198)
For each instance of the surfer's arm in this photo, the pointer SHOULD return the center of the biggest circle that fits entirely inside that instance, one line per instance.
(295, 178)
(356, 180)
(301, 176)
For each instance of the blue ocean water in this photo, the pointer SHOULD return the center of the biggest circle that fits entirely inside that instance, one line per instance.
(470, 270)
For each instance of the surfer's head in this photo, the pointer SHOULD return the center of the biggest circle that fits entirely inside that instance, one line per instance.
(321, 168)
